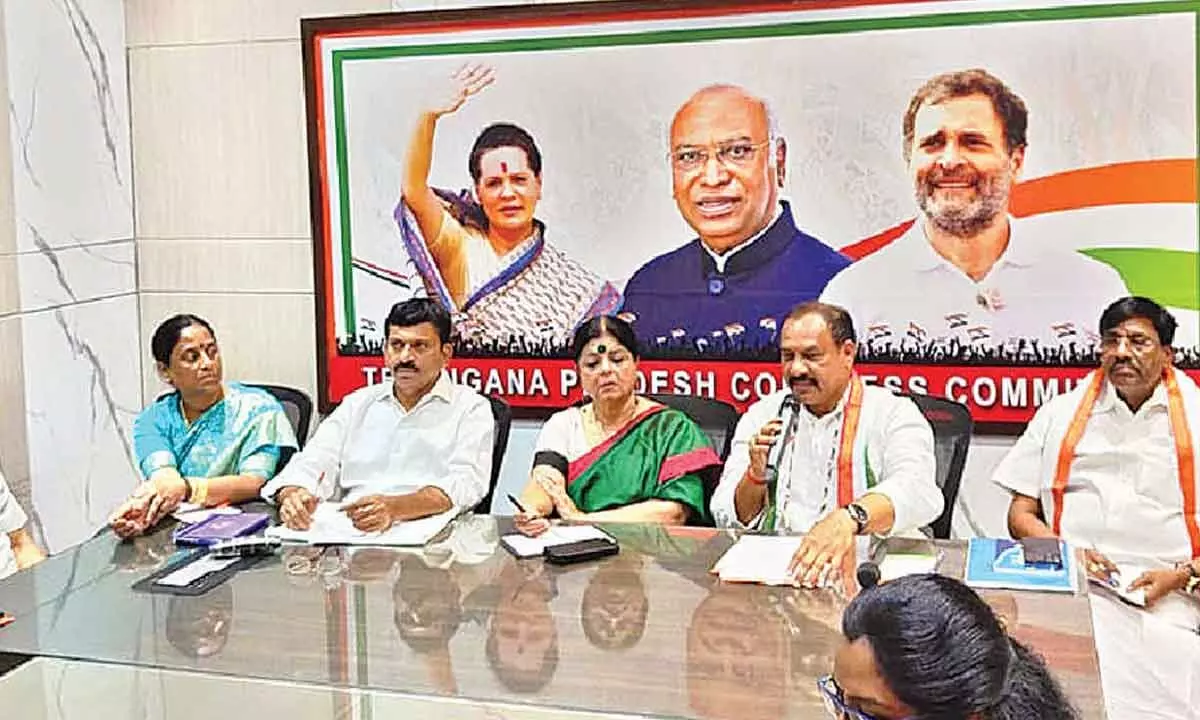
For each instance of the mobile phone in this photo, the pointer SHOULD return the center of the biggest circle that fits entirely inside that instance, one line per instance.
(581, 551)
(1043, 553)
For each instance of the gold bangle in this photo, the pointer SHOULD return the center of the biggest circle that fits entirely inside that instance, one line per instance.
(199, 492)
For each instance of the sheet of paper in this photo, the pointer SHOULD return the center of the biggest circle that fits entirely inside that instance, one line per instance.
(759, 559)
(331, 526)
(193, 571)
(899, 565)
(523, 546)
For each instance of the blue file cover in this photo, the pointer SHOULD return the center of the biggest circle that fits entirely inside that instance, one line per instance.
(1000, 563)
(221, 527)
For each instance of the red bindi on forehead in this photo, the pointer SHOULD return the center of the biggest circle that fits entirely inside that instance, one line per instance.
(504, 168)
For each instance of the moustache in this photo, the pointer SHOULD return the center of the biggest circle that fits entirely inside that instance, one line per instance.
(802, 380)
(937, 175)
(404, 366)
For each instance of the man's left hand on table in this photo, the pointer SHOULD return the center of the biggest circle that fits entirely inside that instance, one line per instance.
(1157, 584)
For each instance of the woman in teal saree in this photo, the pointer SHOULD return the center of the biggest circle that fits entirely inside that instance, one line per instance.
(620, 457)
(209, 442)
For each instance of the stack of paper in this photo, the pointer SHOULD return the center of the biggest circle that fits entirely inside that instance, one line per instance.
(189, 513)
(901, 564)
(760, 559)
(524, 546)
(765, 559)
(331, 526)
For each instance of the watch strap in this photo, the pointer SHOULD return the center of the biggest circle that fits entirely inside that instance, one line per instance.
(859, 515)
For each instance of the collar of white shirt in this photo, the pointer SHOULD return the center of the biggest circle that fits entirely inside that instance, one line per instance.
(1109, 401)
(811, 419)
(1019, 253)
(442, 390)
(720, 260)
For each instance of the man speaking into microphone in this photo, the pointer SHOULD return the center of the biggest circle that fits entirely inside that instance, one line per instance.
(850, 460)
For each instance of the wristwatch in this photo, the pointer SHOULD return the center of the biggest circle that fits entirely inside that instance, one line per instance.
(858, 514)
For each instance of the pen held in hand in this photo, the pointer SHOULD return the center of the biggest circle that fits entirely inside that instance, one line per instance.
(517, 504)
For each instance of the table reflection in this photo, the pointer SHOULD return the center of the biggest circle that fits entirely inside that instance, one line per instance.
(522, 637)
(648, 631)
(199, 626)
(615, 604)
(737, 656)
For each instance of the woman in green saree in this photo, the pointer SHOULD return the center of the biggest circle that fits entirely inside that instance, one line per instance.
(620, 457)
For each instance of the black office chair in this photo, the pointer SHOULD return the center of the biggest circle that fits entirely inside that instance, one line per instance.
(952, 426)
(716, 418)
(502, 414)
(298, 407)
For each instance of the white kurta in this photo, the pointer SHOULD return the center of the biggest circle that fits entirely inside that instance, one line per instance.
(893, 437)
(1123, 496)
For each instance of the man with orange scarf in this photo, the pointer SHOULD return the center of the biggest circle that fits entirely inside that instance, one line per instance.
(855, 459)
(1110, 466)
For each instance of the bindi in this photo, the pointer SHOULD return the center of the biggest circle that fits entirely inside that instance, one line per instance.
(504, 168)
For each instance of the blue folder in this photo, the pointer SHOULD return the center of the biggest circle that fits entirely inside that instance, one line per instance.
(1000, 563)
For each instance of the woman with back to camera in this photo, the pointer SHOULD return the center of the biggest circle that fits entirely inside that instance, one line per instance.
(926, 646)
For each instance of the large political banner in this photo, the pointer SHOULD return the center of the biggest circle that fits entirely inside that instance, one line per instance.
(974, 181)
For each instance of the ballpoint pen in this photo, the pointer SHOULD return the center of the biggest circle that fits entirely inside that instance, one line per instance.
(517, 503)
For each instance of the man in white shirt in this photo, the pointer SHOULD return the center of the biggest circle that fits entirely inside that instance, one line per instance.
(1110, 466)
(860, 459)
(961, 274)
(18, 549)
(417, 447)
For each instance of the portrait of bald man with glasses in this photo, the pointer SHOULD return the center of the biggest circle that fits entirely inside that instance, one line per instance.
(749, 264)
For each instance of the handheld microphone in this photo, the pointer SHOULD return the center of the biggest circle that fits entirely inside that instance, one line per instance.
(788, 414)
(868, 573)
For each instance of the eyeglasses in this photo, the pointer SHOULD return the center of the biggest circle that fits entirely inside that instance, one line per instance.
(835, 703)
(734, 154)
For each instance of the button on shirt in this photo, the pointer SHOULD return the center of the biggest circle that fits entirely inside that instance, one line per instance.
(899, 451)
(372, 445)
(1123, 495)
(12, 519)
(1036, 290)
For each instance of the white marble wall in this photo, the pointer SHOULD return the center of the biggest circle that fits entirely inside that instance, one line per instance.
(221, 198)
(67, 264)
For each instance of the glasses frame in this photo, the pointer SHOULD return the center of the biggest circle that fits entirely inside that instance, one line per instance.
(718, 150)
(835, 702)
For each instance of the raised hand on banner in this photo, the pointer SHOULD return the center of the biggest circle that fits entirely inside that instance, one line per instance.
(464, 82)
